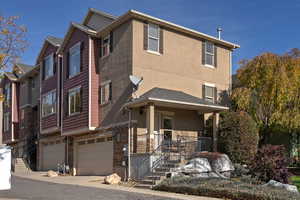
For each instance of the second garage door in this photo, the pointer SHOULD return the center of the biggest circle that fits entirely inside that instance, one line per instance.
(53, 153)
(95, 157)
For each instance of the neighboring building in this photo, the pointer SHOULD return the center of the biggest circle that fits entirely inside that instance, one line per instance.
(20, 111)
(90, 108)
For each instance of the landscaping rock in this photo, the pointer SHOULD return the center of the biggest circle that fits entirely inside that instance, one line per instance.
(291, 188)
(222, 164)
(195, 166)
(112, 179)
(51, 173)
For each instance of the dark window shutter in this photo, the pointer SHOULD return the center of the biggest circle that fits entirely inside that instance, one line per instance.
(161, 41)
(99, 94)
(100, 47)
(54, 64)
(146, 36)
(203, 52)
(66, 104)
(215, 56)
(81, 56)
(215, 95)
(110, 91)
(111, 42)
(96, 52)
(67, 68)
(81, 95)
(43, 70)
(203, 91)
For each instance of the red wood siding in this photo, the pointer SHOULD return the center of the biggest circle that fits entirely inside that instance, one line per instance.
(49, 85)
(80, 120)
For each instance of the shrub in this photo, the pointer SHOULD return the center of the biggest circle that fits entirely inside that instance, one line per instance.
(238, 136)
(269, 163)
(224, 188)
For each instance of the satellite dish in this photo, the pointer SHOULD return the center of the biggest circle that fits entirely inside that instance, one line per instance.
(136, 81)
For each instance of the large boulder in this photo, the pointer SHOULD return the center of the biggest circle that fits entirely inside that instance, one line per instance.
(51, 173)
(112, 179)
(195, 166)
(291, 188)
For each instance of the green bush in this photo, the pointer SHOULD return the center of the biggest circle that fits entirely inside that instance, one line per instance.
(224, 188)
(271, 163)
(238, 136)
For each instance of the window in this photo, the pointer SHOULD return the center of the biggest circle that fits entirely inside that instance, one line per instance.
(74, 60)
(105, 46)
(209, 53)
(33, 82)
(168, 127)
(22, 118)
(48, 66)
(209, 93)
(49, 103)
(74, 100)
(153, 37)
(6, 121)
(105, 93)
(7, 92)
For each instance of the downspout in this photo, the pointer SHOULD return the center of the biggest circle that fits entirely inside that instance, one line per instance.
(129, 145)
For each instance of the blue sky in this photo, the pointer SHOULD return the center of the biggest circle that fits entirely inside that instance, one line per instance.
(257, 25)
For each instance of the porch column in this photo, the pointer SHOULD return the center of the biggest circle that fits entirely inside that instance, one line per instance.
(150, 127)
(215, 131)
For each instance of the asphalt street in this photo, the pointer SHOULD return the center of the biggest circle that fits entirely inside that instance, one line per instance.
(31, 189)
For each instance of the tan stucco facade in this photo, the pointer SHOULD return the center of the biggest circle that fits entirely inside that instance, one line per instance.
(180, 66)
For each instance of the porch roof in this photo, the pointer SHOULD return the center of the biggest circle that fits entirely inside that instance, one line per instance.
(176, 99)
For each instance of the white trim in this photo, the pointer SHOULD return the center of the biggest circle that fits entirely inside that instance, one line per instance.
(90, 81)
(213, 54)
(210, 66)
(187, 103)
(105, 82)
(158, 38)
(62, 94)
(230, 72)
(154, 52)
(209, 84)
(12, 112)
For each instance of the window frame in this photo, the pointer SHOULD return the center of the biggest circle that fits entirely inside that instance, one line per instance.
(209, 53)
(107, 46)
(71, 52)
(51, 56)
(158, 38)
(54, 94)
(102, 88)
(6, 121)
(73, 92)
(210, 98)
(22, 118)
(7, 88)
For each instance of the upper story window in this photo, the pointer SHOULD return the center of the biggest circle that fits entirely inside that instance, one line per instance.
(6, 121)
(33, 82)
(75, 100)
(209, 93)
(105, 46)
(209, 54)
(49, 103)
(105, 92)
(7, 92)
(153, 37)
(48, 66)
(74, 60)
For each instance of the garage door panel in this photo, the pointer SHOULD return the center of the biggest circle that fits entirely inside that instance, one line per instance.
(53, 155)
(95, 159)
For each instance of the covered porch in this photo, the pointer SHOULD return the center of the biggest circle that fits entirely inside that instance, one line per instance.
(167, 117)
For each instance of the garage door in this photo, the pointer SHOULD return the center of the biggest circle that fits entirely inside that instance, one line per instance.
(95, 157)
(53, 153)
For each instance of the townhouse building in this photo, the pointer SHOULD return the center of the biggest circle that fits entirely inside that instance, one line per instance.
(21, 111)
(115, 90)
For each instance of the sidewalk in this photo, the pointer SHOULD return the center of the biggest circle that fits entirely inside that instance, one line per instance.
(97, 182)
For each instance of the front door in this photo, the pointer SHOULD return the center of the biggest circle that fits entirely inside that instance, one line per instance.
(167, 126)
